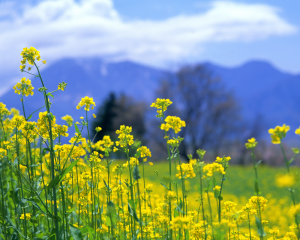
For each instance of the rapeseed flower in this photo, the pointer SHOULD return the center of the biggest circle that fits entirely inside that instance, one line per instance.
(251, 143)
(124, 136)
(62, 86)
(278, 133)
(258, 201)
(174, 123)
(213, 167)
(28, 216)
(3, 110)
(68, 119)
(161, 105)
(87, 102)
(30, 55)
(180, 222)
(286, 180)
(185, 170)
(24, 87)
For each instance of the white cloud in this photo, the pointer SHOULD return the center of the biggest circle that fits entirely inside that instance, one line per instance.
(66, 28)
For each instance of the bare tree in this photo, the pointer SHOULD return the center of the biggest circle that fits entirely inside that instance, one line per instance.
(202, 101)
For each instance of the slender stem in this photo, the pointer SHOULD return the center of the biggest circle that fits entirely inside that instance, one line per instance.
(249, 225)
(51, 154)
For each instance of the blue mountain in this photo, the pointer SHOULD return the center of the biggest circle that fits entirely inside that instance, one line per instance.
(259, 87)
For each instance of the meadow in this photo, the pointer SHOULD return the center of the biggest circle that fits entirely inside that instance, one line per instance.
(77, 191)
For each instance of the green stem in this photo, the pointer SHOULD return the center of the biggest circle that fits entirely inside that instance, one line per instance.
(51, 154)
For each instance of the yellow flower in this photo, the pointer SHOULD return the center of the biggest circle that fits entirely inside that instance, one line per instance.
(258, 202)
(297, 131)
(213, 167)
(180, 222)
(144, 152)
(278, 133)
(3, 110)
(94, 115)
(251, 143)
(150, 163)
(185, 170)
(217, 188)
(285, 180)
(124, 136)
(28, 216)
(87, 102)
(161, 105)
(68, 119)
(98, 129)
(173, 122)
(24, 87)
(62, 86)
(30, 55)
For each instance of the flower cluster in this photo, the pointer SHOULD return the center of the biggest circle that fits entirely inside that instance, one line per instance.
(174, 123)
(68, 119)
(3, 110)
(30, 55)
(62, 86)
(124, 136)
(258, 202)
(185, 170)
(161, 105)
(213, 167)
(278, 133)
(285, 180)
(24, 87)
(251, 143)
(87, 102)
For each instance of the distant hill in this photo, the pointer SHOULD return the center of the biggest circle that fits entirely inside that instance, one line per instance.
(258, 86)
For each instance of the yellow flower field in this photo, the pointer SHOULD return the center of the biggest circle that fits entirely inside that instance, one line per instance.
(76, 191)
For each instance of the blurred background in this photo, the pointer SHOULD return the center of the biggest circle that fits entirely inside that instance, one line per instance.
(231, 68)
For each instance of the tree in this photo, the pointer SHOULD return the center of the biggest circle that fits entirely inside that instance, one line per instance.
(105, 116)
(201, 100)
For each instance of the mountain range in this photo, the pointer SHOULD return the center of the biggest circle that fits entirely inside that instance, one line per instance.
(259, 88)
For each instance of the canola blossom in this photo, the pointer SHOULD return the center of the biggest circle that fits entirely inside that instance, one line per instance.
(24, 87)
(50, 190)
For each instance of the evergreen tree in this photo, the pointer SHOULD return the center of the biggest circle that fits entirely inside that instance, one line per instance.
(105, 118)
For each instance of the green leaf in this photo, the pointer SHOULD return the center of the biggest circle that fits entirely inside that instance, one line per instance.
(14, 227)
(77, 129)
(50, 94)
(111, 213)
(33, 220)
(175, 213)
(164, 185)
(291, 160)
(260, 229)
(30, 116)
(136, 173)
(88, 230)
(75, 232)
(24, 200)
(256, 165)
(54, 182)
(108, 188)
(130, 210)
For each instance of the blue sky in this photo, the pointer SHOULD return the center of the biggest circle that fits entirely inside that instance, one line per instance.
(161, 33)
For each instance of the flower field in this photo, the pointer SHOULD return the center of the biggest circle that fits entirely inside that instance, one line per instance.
(51, 190)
